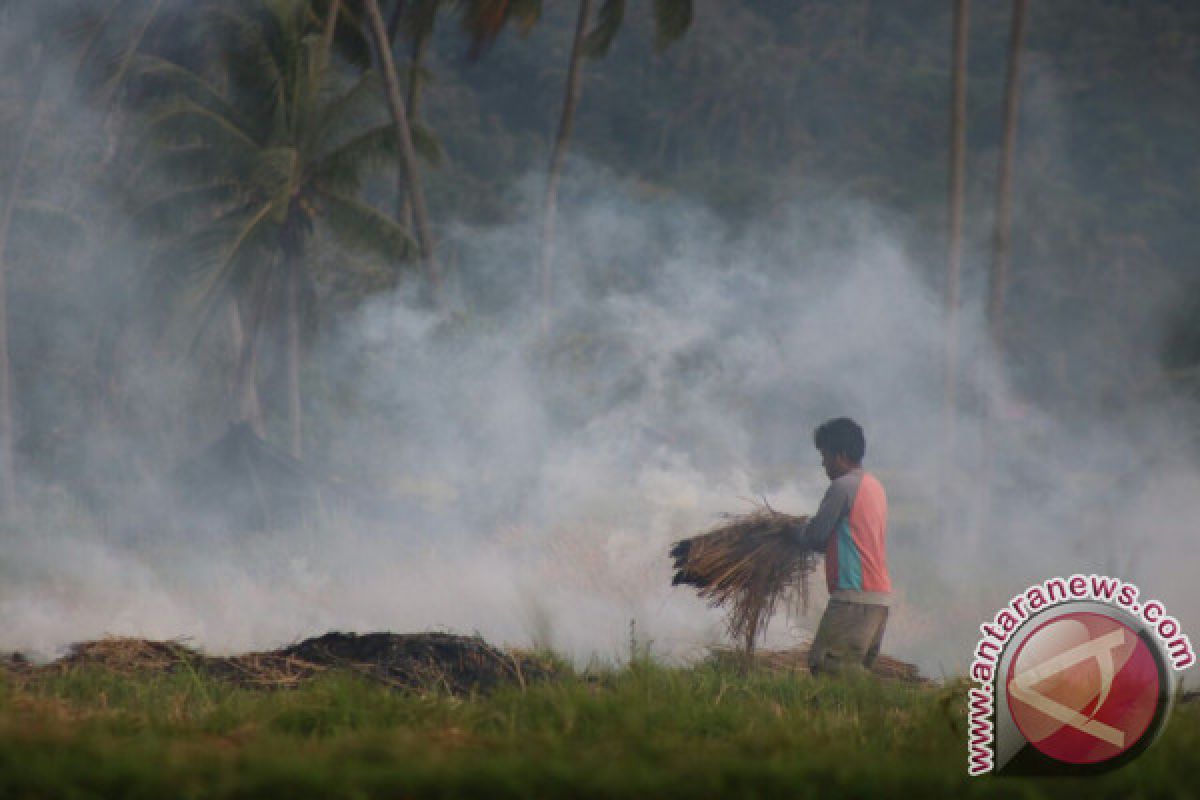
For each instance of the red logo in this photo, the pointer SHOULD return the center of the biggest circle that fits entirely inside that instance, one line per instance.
(1083, 688)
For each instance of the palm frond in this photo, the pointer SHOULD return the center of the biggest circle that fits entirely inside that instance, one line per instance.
(483, 20)
(345, 111)
(261, 153)
(672, 18)
(179, 208)
(365, 228)
(49, 224)
(170, 79)
(344, 164)
(88, 33)
(608, 21)
(275, 170)
(182, 262)
(183, 122)
(234, 267)
(426, 143)
(109, 41)
(212, 261)
(200, 164)
(257, 76)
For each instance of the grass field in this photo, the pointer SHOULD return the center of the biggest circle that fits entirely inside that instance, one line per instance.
(640, 731)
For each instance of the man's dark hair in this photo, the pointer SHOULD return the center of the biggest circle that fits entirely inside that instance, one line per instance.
(841, 435)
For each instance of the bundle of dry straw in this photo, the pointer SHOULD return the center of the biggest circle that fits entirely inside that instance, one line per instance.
(746, 565)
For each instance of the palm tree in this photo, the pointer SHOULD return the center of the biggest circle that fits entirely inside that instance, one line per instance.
(998, 277)
(672, 19)
(255, 160)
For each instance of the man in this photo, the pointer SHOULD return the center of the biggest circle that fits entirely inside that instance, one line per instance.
(850, 526)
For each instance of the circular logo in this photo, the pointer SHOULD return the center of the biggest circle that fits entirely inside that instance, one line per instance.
(1084, 688)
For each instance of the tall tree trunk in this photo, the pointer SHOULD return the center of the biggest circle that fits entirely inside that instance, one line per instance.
(8, 493)
(1001, 235)
(998, 275)
(419, 46)
(292, 345)
(408, 156)
(958, 169)
(558, 157)
(335, 8)
(292, 366)
(246, 406)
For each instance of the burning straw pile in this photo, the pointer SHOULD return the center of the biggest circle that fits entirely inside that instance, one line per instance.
(746, 565)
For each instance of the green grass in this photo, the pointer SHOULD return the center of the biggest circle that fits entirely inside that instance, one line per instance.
(643, 731)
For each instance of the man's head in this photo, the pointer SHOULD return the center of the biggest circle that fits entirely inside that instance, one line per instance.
(842, 446)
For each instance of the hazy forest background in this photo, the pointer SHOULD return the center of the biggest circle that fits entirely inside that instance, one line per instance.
(200, 199)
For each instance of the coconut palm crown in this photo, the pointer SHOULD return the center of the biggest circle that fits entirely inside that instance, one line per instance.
(255, 156)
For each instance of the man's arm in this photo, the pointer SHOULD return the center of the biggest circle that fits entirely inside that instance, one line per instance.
(815, 535)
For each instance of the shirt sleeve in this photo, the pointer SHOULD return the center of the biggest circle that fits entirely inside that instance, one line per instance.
(815, 535)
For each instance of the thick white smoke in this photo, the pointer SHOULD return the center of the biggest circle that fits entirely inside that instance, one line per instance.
(526, 484)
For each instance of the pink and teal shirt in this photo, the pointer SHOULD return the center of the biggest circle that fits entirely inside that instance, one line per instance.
(851, 527)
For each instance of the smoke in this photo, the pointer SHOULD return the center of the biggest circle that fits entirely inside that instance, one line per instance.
(524, 481)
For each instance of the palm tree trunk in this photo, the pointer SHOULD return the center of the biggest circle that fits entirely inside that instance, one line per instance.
(246, 406)
(558, 157)
(998, 275)
(292, 358)
(8, 492)
(408, 156)
(335, 8)
(1001, 236)
(420, 45)
(958, 162)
